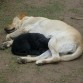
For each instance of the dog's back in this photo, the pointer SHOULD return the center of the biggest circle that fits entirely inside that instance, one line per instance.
(29, 44)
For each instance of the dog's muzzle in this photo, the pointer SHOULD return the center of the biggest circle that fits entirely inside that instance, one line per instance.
(9, 30)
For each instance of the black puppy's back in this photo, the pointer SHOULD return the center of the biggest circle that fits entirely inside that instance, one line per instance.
(30, 44)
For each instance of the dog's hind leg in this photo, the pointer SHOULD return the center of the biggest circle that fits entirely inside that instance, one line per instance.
(51, 59)
(74, 55)
(27, 59)
(55, 55)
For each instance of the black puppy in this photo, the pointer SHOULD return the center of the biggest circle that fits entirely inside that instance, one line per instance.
(29, 44)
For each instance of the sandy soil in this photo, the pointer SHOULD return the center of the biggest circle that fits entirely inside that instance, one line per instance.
(63, 72)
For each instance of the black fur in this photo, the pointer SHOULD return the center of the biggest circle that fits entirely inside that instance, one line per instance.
(29, 44)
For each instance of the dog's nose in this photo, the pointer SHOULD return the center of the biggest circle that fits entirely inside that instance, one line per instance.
(6, 29)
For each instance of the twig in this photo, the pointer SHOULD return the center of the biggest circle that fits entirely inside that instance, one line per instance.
(77, 18)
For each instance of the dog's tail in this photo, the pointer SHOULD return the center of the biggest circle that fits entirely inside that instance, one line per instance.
(73, 56)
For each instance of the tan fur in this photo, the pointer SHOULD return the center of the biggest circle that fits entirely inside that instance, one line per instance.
(21, 16)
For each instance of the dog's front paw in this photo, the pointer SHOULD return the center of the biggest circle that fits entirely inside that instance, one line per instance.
(3, 46)
(8, 37)
(21, 61)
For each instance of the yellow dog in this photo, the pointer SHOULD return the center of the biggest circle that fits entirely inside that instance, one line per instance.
(65, 41)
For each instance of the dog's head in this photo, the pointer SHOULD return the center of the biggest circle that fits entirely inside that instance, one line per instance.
(15, 24)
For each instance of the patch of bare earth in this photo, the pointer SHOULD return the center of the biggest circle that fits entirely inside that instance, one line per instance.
(37, 3)
(63, 72)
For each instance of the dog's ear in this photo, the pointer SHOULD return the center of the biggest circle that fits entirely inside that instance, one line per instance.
(21, 15)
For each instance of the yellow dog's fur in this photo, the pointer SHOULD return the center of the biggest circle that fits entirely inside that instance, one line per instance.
(63, 38)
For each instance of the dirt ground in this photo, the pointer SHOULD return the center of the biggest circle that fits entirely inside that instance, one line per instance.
(63, 72)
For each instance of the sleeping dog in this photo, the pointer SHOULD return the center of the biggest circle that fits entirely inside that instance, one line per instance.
(29, 44)
(65, 42)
